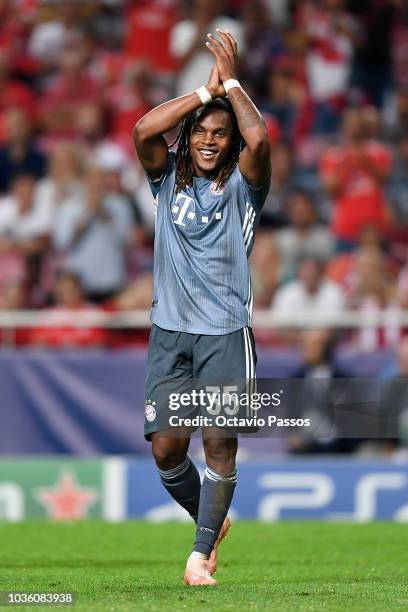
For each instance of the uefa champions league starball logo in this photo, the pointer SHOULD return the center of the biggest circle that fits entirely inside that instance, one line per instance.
(150, 411)
(215, 189)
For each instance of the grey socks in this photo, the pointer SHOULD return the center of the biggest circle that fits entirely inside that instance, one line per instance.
(215, 500)
(183, 484)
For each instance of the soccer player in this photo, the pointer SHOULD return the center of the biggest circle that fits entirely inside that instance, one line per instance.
(208, 197)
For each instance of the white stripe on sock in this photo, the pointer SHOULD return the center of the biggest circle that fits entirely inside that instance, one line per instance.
(211, 475)
(177, 471)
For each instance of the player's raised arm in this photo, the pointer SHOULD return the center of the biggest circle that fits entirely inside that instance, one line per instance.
(254, 161)
(151, 146)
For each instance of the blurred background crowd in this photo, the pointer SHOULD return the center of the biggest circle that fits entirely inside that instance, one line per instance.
(76, 214)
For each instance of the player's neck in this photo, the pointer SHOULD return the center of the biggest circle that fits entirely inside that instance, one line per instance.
(207, 175)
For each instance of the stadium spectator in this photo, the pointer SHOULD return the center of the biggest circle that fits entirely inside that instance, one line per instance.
(354, 175)
(131, 99)
(319, 366)
(286, 100)
(11, 28)
(397, 188)
(137, 296)
(310, 291)
(373, 61)
(62, 183)
(283, 184)
(69, 301)
(49, 39)
(399, 364)
(71, 89)
(107, 24)
(89, 129)
(317, 347)
(303, 237)
(63, 180)
(187, 42)
(399, 45)
(262, 40)
(135, 181)
(279, 11)
(149, 24)
(342, 266)
(264, 269)
(332, 34)
(25, 219)
(113, 162)
(13, 93)
(373, 291)
(397, 116)
(13, 297)
(93, 233)
(294, 55)
(394, 424)
(16, 20)
(19, 152)
(25, 228)
(402, 287)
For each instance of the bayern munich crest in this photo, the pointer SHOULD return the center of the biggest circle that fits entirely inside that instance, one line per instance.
(150, 411)
(216, 189)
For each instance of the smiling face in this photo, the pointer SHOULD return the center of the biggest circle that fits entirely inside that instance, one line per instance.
(210, 142)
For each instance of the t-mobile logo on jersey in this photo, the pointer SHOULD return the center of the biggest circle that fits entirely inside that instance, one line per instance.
(182, 210)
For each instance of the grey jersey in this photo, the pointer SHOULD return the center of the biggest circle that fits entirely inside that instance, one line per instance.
(204, 236)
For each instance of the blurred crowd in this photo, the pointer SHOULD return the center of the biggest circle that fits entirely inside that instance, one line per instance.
(76, 213)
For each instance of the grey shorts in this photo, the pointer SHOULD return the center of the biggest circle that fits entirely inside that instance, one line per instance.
(179, 362)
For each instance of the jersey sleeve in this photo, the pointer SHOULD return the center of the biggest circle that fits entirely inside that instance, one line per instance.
(157, 184)
(256, 196)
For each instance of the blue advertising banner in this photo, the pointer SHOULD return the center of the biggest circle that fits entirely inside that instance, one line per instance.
(86, 403)
(119, 488)
(345, 490)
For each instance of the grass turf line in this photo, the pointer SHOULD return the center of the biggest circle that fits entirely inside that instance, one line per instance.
(306, 566)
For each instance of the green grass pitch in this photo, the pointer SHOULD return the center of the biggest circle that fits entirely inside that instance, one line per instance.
(139, 566)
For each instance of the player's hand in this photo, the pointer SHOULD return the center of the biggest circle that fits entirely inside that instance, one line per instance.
(214, 85)
(225, 54)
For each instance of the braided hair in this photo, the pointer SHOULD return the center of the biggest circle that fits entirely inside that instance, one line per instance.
(184, 164)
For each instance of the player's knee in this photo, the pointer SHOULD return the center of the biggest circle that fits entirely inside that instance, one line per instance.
(220, 455)
(168, 454)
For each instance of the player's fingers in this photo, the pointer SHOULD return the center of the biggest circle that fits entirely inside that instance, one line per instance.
(213, 50)
(233, 42)
(227, 42)
(217, 45)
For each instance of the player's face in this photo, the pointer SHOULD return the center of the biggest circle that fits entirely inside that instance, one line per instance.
(210, 142)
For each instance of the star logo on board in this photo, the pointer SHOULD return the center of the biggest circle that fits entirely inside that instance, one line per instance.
(67, 500)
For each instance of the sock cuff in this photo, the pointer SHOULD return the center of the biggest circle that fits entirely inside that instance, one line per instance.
(198, 555)
(211, 475)
(177, 471)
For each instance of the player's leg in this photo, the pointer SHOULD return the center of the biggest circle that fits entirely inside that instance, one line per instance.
(217, 489)
(178, 473)
(220, 361)
(170, 369)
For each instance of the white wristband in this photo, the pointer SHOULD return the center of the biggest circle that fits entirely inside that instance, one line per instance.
(230, 83)
(204, 95)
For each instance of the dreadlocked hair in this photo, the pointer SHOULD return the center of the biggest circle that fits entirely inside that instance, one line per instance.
(184, 164)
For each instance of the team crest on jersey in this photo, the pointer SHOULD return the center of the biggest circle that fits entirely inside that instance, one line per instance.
(216, 189)
(150, 411)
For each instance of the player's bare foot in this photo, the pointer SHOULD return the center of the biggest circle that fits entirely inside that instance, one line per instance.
(197, 574)
(212, 562)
